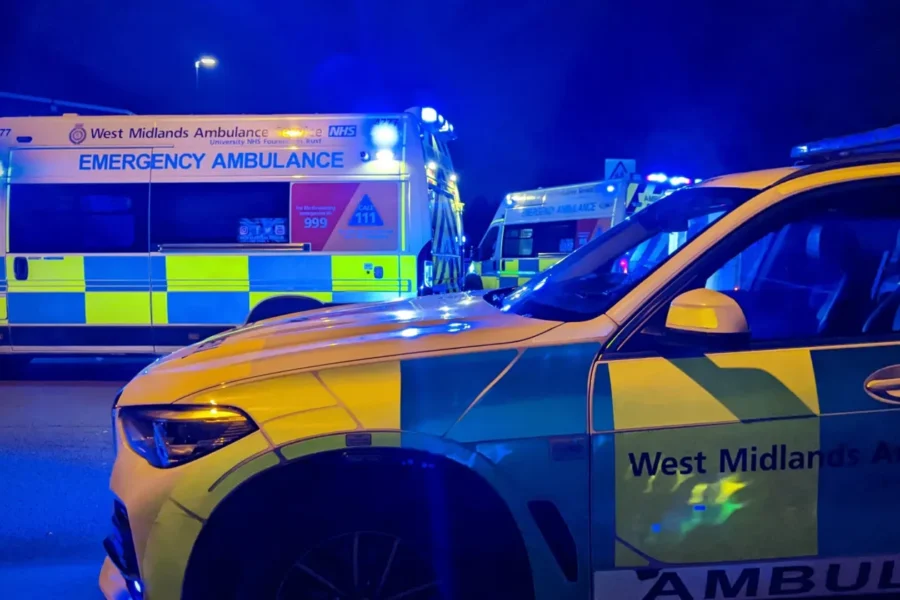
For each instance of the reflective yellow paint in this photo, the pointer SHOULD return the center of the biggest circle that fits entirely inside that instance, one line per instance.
(350, 273)
(309, 424)
(62, 274)
(791, 368)
(692, 317)
(168, 550)
(490, 282)
(409, 270)
(272, 398)
(257, 297)
(370, 392)
(509, 267)
(4, 315)
(159, 308)
(724, 513)
(546, 263)
(117, 308)
(222, 273)
(653, 392)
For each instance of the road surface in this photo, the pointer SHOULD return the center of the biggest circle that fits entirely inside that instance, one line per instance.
(55, 459)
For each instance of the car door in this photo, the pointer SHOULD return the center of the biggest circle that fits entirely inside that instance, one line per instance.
(766, 466)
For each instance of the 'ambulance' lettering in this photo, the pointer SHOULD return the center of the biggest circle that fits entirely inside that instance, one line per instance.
(189, 161)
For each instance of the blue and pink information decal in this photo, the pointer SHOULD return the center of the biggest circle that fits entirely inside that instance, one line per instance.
(345, 217)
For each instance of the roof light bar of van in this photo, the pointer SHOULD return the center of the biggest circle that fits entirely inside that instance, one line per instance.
(429, 115)
(877, 140)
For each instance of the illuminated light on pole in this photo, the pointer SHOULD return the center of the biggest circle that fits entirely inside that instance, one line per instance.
(207, 62)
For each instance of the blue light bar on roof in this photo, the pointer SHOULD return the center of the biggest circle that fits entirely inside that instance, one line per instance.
(877, 140)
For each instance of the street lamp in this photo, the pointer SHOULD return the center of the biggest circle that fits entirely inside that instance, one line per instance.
(207, 62)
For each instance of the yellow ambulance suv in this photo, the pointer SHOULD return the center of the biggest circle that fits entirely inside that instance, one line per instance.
(702, 402)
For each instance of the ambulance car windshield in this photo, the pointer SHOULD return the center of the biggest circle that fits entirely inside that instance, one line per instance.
(589, 281)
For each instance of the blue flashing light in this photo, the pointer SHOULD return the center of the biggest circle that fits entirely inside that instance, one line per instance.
(697, 180)
(678, 180)
(877, 140)
(610, 188)
(429, 115)
(385, 135)
(699, 507)
(657, 177)
(384, 155)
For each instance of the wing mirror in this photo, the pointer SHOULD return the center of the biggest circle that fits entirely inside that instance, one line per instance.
(707, 314)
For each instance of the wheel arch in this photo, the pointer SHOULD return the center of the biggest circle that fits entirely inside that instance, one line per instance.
(305, 457)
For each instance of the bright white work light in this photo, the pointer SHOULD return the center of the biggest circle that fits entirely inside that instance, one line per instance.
(429, 115)
(385, 135)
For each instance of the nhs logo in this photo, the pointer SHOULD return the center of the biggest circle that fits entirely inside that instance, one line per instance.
(342, 131)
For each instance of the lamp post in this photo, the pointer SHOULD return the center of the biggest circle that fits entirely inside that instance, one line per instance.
(207, 62)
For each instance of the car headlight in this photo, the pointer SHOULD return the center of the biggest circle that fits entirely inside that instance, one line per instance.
(168, 436)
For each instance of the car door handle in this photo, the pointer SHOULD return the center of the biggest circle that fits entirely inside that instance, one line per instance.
(884, 384)
(20, 268)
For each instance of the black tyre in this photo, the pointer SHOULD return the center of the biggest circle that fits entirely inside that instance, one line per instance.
(371, 540)
(473, 283)
(280, 306)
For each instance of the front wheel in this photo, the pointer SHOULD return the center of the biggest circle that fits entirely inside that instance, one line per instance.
(364, 531)
(361, 564)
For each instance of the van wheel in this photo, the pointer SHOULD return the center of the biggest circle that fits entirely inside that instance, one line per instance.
(473, 283)
(280, 306)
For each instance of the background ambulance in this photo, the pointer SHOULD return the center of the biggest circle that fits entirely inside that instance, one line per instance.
(142, 234)
(533, 230)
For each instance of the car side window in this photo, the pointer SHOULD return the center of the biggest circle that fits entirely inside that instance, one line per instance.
(825, 266)
(829, 272)
(488, 244)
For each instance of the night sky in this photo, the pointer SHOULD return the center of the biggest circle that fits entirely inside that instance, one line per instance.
(540, 92)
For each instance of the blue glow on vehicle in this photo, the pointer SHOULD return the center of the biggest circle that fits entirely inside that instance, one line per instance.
(429, 115)
(410, 332)
(877, 140)
(385, 135)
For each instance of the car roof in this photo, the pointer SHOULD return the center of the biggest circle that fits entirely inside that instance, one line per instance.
(751, 180)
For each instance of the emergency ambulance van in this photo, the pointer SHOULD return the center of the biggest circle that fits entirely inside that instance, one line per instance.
(535, 229)
(718, 420)
(136, 234)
